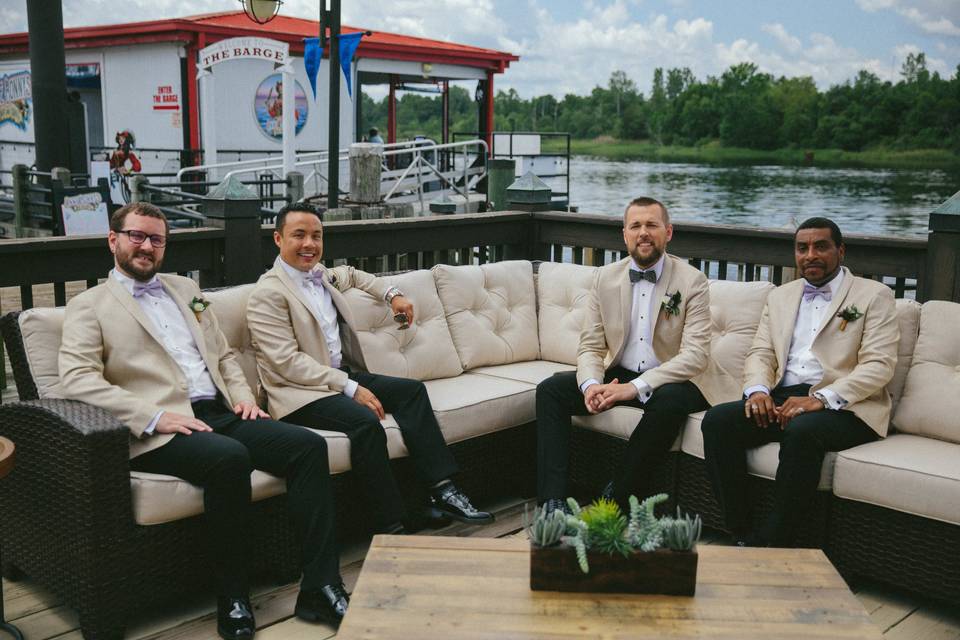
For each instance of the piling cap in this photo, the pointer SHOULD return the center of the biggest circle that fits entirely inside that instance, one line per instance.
(232, 189)
(529, 189)
(946, 217)
(443, 204)
(950, 206)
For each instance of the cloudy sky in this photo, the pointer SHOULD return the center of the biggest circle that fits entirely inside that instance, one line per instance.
(569, 46)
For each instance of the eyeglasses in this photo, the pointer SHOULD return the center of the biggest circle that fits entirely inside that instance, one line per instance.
(139, 237)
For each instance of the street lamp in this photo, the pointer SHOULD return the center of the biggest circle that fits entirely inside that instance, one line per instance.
(261, 11)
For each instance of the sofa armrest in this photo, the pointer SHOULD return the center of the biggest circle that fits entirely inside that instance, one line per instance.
(72, 473)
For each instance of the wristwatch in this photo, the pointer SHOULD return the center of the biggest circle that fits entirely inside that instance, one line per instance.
(391, 294)
(822, 398)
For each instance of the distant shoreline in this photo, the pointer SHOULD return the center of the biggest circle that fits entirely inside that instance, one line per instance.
(715, 154)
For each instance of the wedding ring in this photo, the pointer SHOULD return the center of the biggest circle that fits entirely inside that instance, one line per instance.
(753, 407)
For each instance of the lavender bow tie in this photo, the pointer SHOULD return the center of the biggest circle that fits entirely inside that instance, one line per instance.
(152, 288)
(315, 276)
(810, 292)
(649, 275)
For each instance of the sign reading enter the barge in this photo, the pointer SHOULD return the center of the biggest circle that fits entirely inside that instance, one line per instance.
(239, 48)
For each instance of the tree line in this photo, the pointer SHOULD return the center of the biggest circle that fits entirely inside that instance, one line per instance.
(741, 108)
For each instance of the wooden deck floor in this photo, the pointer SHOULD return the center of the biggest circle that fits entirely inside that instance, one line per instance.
(40, 616)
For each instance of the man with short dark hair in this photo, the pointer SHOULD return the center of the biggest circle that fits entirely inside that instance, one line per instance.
(814, 381)
(145, 347)
(313, 372)
(645, 337)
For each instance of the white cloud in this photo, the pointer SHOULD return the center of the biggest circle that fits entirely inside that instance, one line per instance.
(938, 17)
(787, 41)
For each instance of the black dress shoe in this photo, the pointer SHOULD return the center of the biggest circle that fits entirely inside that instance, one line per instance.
(450, 501)
(555, 504)
(328, 604)
(235, 618)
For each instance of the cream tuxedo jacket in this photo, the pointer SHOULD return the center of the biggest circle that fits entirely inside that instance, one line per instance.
(112, 357)
(857, 362)
(681, 342)
(293, 358)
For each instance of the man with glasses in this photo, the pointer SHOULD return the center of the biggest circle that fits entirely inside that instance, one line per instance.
(145, 348)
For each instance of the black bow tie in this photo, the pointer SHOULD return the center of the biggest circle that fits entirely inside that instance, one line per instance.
(649, 275)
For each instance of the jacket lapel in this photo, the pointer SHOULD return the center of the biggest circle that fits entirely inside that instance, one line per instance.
(195, 329)
(660, 290)
(296, 290)
(133, 308)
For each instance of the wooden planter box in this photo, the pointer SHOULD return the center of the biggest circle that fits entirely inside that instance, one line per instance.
(662, 571)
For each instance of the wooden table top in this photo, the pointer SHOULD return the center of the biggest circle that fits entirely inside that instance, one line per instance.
(441, 588)
(6, 456)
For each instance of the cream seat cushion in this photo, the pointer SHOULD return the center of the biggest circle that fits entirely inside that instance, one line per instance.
(930, 404)
(762, 461)
(491, 312)
(424, 350)
(562, 292)
(42, 329)
(532, 372)
(903, 472)
(471, 405)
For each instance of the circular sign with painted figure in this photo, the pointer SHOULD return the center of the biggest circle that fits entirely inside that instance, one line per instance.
(268, 106)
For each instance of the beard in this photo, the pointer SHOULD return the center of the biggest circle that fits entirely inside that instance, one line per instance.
(125, 260)
(649, 261)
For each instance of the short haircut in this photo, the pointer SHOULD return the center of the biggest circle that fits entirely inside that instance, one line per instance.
(119, 217)
(644, 201)
(296, 207)
(821, 223)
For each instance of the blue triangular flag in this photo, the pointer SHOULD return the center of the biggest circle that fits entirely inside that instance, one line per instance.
(348, 45)
(312, 52)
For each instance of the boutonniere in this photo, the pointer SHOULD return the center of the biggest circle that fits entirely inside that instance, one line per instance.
(198, 306)
(671, 303)
(849, 314)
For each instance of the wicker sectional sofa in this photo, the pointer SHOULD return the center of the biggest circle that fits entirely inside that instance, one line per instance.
(79, 522)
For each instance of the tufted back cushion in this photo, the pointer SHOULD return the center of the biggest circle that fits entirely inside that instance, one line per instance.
(423, 351)
(562, 291)
(930, 402)
(735, 310)
(491, 312)
(42, 329)
(230, 306)
(908, 317)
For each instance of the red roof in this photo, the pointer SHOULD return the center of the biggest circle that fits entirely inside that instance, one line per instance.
(212, 27)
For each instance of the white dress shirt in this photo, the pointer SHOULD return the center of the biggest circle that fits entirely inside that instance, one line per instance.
(638, 354)
(802, 366)
(171, 326)
(323, 309)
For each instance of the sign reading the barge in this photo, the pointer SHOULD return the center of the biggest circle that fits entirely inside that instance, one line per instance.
(239, 48)
(15, 99)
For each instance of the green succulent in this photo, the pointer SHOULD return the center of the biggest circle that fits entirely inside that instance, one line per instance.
(546, 529)
(645, 532)
(681, 533)
(606, 526)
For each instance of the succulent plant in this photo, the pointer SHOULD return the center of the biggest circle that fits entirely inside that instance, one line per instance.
(644, 531)
(606, 526)
(681, 533)
(546, 529)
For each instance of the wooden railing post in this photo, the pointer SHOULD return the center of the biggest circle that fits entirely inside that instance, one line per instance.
(235, 208)
(20, 185)
(941, 277)
(529, 193)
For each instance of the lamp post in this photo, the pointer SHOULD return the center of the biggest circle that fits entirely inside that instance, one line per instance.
(263, 11)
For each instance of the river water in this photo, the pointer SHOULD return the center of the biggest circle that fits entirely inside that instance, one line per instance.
(887, 202)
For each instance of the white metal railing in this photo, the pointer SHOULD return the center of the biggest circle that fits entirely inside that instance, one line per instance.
(413, 174)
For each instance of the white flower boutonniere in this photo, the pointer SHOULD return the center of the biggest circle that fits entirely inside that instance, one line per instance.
(671, 303)
(198, 305)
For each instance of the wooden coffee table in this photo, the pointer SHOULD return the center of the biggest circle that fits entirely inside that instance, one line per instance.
(438, 587)
(6, 465)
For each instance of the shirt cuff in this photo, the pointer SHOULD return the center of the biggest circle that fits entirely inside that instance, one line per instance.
(153, 423)
(644, 390)
(749, 391)
(350, 388)
(833, 399)
(588, 383)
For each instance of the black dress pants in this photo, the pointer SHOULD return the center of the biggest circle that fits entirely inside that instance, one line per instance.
(559, 398)
(221, 462)
(410, 405)
(728, 433)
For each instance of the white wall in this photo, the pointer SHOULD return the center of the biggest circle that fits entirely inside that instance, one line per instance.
(128, 80)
